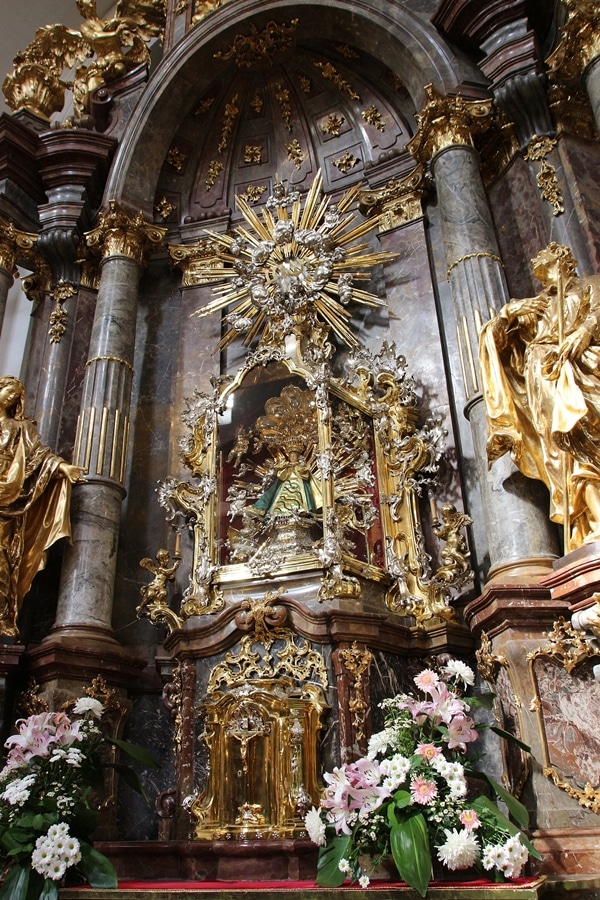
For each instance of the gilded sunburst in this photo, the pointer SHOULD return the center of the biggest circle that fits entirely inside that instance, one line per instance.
(293, 268)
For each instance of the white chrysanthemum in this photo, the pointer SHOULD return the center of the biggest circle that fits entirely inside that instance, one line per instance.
(55, 851)
(88, 705)
(344, 866)
(74, 757)
(17, 792)
(378, 743)
(395, 769)
(493, 855)
(364, 881)
(460, 850)
(457, 785)
(460, 670)
(515, 857)
(315, 827)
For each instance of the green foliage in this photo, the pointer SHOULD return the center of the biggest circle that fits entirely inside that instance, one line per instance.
(328, 866)
(409, 843)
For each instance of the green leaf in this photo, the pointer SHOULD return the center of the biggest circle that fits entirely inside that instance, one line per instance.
(36, 883)
(15, 884)
(96, 868)
(409, 843)
(510, 737)
(514, 806)
(402, 799)
(84, 821)
(140, 754)
(131, 778)
(328, 871)
(485, 700)
(49, 890)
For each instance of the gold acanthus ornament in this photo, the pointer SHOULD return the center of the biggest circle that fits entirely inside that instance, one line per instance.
(34, 501)
(580, 42)
(122, 234)
(116, 45)
(447, 121)
(13, 245)
(539, 361)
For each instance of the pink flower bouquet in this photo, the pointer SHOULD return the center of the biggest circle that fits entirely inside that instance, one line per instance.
(408, 798)
(46, 810)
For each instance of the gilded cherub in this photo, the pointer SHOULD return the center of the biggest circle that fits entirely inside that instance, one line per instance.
(455, 554)
(155, 593)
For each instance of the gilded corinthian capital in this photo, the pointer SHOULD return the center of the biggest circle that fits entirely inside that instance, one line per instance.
(580, 42)
(447, 121)
(121, 234)
(13, 244)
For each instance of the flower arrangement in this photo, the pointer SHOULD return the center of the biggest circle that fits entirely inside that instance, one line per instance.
(54, 765)
(409, 796)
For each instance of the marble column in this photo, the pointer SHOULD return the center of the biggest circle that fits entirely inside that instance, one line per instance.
(478, 286)
(13, 243)
(86, 590)
(72, 166)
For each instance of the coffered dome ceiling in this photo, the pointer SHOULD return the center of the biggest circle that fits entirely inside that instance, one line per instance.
(286, 113)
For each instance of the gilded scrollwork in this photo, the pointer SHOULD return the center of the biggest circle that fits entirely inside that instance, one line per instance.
(259, 47)
(116, 45)
(565, 693)
(580, 42)
(538, 150)
(357, 661)
(263, 709)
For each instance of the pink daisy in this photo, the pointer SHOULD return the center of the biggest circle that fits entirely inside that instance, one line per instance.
(422, 791)
(426, 680)
(428, 751)
(470, 819)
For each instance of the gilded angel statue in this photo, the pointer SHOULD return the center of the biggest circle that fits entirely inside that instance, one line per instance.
(540, 365)
(34, 501)
(115, 46)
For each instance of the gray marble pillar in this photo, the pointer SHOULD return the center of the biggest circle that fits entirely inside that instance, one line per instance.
(89, 565)
(54, 368)
(478, 286)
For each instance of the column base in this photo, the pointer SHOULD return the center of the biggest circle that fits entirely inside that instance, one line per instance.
(74, 655)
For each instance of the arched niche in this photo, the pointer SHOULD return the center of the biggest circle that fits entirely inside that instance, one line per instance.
(401, 39)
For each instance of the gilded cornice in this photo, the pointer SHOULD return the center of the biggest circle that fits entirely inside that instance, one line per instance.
(195, 261)
(580, 42)
(14, 243)
(446, 122)
(398, 202)
(120, 234)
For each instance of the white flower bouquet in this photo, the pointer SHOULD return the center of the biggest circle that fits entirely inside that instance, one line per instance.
(54, 766)
(409, 797)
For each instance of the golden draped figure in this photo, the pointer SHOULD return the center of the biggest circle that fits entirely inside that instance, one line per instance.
(34, 501)
(540, 367)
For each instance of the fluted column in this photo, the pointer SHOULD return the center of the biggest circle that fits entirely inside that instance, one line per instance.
(478, 285)
(87, 583)
(578, 53)
(13, 244)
